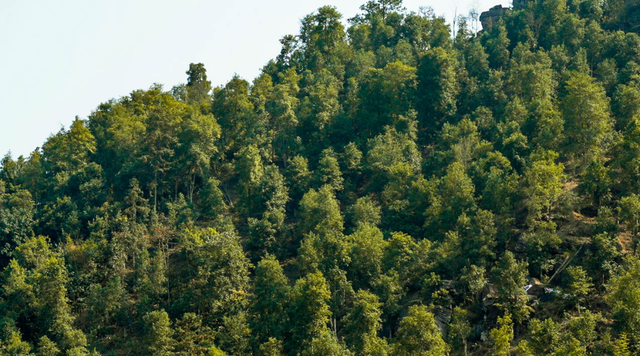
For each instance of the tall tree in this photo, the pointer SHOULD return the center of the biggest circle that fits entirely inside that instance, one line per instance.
(235, 112)
(309, 312)
(419, 335)
(270, 302)
(588, 122)
(158, 338)
(502, 336)
(362, 324)
(321, 35)
(437, 90)
(198, 87)
(509, 277)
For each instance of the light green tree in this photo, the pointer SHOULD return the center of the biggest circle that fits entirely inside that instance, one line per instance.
(579, 285)
(309, 312)
(362, 323)
(419, 335)
(542, 180)
(587, 117)
(460, 328)
(509, 277)
(502, 336)
(624, 299)
(158, 339)
(629, 211)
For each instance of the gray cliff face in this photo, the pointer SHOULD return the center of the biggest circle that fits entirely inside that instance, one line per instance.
(492, 16)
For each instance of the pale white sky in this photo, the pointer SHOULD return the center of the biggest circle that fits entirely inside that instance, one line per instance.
(59, 59)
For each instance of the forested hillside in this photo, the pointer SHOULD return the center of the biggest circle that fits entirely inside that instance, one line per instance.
(381, 188)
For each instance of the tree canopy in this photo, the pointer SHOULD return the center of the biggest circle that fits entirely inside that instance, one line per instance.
(385, 186)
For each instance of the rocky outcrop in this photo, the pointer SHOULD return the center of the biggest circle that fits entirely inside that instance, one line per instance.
(488, 18)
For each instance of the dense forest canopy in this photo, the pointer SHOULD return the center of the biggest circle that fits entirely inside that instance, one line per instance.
(381, 188)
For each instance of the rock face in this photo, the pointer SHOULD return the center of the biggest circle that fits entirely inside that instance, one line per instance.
(442, 316)
(492, 16)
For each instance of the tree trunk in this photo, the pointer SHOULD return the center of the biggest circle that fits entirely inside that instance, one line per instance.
(155, 191)
(192, 187)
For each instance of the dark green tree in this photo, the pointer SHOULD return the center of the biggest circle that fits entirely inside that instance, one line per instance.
(270, 301)
(198, 87)
(437, 90)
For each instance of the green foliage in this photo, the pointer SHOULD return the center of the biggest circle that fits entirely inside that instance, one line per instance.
(270, 197)
(329, 171)
(437, 88)
(543, 184)
(625, 299)
(233, 107)
(579, 284)
(389, 152)
(374, 166)
(364, 212)
(629, 211)
(235, 333)
(273, 347)
(320, 212)
(627, 159)
(158, 339)
(545, 336)
(298, 177)
(198, 87)
(367, 253)
(596, 183)
(47, 347)
(362, 324)
(212, 275)
(309, 312)
(325, 344)
(460, 329)
(509, 277)
(454, 197)
(386, 96)
(474, 280)
(502, 336)
(497, 43)
(270, 300)
(587, 120)
(622, 347)
(191, 336)
(419, 335)
(542, 246)
(16, 221)
(212, 202)
(321, 35)
(319, 109)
